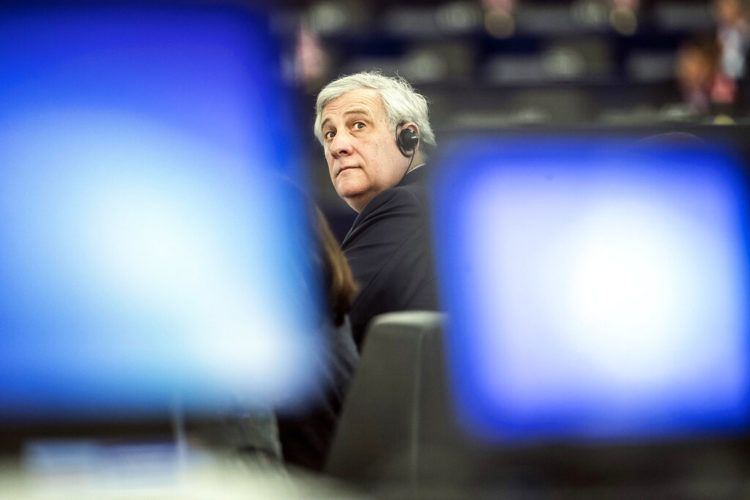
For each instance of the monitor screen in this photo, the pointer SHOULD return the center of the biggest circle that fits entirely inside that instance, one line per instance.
(596, 289)
(153, 247)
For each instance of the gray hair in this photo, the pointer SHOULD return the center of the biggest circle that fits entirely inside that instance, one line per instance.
(402, 103)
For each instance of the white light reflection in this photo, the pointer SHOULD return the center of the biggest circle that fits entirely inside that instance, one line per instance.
(617, 297)
(171, 242)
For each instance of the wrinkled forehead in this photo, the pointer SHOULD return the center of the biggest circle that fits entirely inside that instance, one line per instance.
(360, 101)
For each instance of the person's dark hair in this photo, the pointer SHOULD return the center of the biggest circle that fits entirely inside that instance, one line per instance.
(306, 434)
(337, 276)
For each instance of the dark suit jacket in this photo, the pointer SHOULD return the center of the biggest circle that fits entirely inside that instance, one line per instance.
(389, 250)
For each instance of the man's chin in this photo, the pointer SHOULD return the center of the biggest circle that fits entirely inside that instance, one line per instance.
(347, 189)
(356, 199)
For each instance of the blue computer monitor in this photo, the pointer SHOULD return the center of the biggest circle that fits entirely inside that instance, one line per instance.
(596, 289)
(153, 247)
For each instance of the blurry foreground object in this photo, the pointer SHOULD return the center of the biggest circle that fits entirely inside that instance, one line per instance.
(597, 289)
(87, 470)
(150, 251)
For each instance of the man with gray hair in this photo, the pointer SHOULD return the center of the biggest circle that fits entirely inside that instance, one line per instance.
(373, 129)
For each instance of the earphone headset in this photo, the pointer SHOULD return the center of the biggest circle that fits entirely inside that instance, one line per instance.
(407, 141)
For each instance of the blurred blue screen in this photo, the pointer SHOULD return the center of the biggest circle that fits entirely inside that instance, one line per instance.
(596, 289)
(152, 247)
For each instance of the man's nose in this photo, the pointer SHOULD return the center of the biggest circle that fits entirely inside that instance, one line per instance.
(341, 144)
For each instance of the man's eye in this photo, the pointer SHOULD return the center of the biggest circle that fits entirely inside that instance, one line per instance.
(328, 135)
(359, 125)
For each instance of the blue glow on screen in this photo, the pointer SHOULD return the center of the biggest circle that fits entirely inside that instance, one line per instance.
(596, 290)
(149, 244)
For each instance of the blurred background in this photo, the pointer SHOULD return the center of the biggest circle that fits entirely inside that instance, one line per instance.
(489, 64)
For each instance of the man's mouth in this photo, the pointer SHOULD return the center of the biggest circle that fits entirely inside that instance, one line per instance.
(345, 168)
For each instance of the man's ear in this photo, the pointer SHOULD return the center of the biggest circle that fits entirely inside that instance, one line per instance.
(410, 125)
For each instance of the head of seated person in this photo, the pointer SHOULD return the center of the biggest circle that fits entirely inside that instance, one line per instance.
(374, 130)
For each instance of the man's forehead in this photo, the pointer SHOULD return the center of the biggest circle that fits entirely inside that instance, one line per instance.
(366, 101)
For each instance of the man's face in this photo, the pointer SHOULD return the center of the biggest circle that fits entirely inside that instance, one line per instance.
(360, 147)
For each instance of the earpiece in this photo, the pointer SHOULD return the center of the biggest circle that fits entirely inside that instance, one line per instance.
(407, 141)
